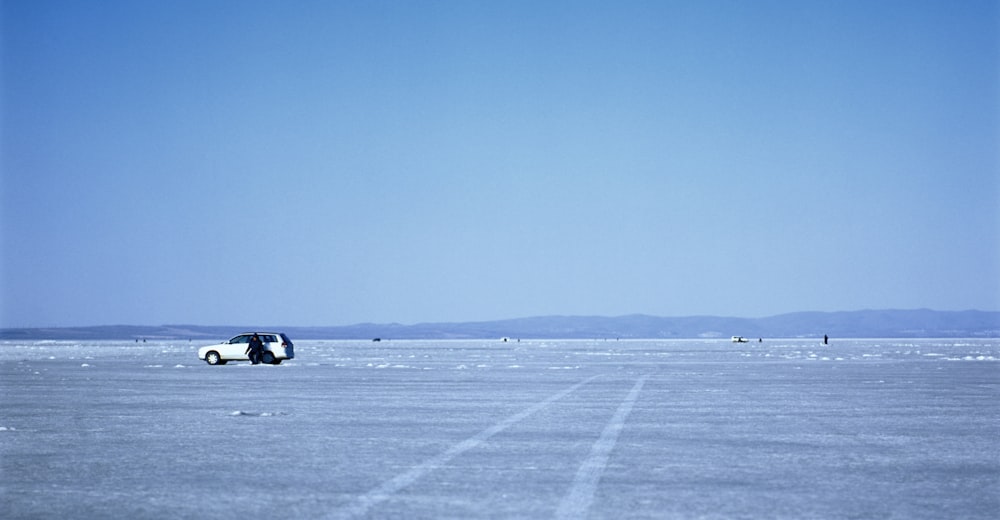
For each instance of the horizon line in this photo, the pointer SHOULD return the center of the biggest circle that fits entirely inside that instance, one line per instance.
(540, 316)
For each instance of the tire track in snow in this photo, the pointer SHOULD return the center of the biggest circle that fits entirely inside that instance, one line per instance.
(577, 502)
(392, 486)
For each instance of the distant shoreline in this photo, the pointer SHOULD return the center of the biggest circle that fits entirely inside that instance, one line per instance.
(919, 323)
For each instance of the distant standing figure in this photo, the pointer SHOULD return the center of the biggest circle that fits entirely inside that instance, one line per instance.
(255, 349)
(826, 339)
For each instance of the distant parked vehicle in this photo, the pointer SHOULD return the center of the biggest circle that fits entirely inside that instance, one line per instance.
(739, 339)
(277, 348)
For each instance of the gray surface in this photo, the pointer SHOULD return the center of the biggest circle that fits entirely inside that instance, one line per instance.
(538, 429)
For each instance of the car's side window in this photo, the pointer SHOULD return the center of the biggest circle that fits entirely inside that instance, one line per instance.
(269, 339)
(241, 339)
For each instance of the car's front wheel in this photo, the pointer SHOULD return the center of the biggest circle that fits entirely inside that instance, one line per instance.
(213, 358)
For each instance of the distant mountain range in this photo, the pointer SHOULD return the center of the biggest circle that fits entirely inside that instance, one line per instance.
(921, 323)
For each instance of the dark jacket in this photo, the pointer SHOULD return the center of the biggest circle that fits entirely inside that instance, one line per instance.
(256, 345)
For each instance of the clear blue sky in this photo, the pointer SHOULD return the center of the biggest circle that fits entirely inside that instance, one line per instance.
(324, 163)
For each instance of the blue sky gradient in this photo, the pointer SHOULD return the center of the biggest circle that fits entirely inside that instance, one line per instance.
(323, 163)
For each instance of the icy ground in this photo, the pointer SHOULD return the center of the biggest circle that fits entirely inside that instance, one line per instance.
(535, 429)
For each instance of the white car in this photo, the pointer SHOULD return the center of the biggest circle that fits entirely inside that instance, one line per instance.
(277, 348)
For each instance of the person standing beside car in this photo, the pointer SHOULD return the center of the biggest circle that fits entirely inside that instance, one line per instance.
(255, 349)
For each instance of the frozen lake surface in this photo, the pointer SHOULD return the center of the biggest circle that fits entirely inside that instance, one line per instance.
(530, 429)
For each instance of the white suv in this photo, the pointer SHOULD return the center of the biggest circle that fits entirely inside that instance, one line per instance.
(277, 348)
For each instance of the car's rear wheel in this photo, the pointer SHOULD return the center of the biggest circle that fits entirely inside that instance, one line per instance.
(267, 357)
(213, 358)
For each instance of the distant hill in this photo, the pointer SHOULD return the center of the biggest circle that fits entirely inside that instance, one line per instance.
(921, 323)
